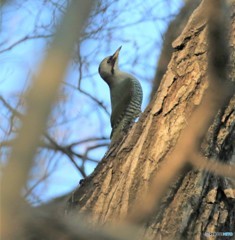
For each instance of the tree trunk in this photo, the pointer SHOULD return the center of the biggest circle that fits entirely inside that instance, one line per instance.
(173, 31)
(198, 201)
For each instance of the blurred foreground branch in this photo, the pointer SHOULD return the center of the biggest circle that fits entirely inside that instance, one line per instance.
(40, 99)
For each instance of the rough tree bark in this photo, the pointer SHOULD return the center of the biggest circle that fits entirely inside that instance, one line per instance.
(198, 201)
(173, 31)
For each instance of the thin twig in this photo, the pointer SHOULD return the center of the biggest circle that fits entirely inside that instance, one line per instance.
(21, 40)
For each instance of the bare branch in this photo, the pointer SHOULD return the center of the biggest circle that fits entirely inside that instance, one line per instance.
(23, 40)
(14, 111)
(212, 165)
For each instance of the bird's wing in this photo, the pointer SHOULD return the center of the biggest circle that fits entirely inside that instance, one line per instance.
(121, 97)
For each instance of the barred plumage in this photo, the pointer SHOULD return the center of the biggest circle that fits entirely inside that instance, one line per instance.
(126, 95)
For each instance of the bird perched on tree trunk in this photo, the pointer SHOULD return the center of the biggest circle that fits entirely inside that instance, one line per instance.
(126, 95)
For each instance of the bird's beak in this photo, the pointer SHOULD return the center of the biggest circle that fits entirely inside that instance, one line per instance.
(115, 56)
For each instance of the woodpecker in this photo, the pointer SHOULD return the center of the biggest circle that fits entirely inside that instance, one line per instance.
(126, 95)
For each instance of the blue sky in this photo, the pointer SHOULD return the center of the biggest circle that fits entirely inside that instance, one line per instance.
(138, 26)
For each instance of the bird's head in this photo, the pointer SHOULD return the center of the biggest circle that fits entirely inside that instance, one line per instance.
(108, 66)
